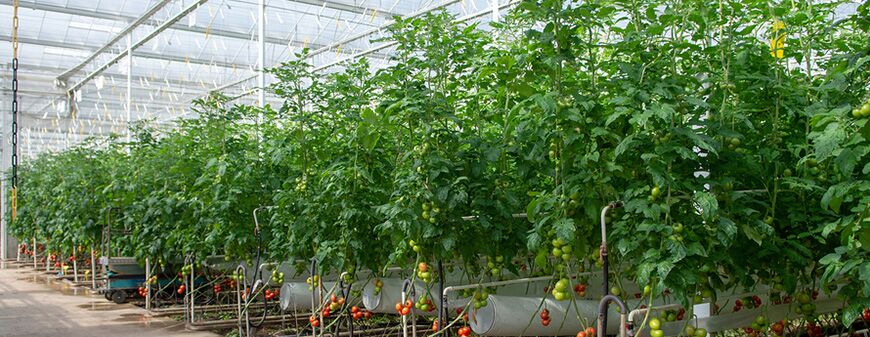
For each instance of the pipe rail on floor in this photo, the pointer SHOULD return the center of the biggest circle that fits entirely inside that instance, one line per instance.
(242, 287)
(602, 315)
(605, 270)
(408, 288)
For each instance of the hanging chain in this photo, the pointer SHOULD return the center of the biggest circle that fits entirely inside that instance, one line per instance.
(14, 180)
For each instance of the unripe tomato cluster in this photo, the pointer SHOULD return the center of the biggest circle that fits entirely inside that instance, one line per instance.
(152, 280)
(237, 276)
(691, 331)
(495, 265)
(378, 286)
(862, 111)
(424, 272)
(277, 277)
(560, 289)
(415, 247)
(430, 212)
(301, 184)
(553, 154)
(805, 305)
(759, 323)
(478, 297)
(561, 249)
(424, 303)
(185, 270)
(312, 282)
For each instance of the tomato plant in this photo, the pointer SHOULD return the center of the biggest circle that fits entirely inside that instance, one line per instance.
(733, 132)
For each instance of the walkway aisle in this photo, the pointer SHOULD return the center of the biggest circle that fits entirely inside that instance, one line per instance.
(32, 307)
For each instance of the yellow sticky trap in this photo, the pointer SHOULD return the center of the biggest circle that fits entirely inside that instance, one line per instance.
(14, 203)
(777, 43)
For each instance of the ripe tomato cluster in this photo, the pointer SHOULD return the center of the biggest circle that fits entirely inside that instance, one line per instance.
(404, 309)
(580, 289)
(588, 332)
(464, 331)
(181, 289)
(358, 313)
(777, 328)
(814, 330)
(270, 295)
(545, 317)
(141, 291)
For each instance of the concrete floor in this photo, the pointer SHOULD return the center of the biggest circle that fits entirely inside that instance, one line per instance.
(33, 306)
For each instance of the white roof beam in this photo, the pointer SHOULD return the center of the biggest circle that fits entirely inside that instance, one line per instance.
(137, 44)
(127, 30)
(142, 54)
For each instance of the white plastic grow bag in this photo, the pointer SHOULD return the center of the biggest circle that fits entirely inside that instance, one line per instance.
(511, 316)
(296, 296)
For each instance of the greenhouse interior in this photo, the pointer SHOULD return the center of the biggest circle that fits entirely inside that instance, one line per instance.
(409, 168)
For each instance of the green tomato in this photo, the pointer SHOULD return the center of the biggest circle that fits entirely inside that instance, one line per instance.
(615, 291)
(655, 192)
(647, 290)
(760, 320)
(690, 331)
(561, 296)
(657, 333)
(700, 332)
(865, 110)
(803, 298)
(567, 249)
(857, 113)
(562, 285)
(557, 252)
(655, 324)
(541, 258)
(707, 293)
